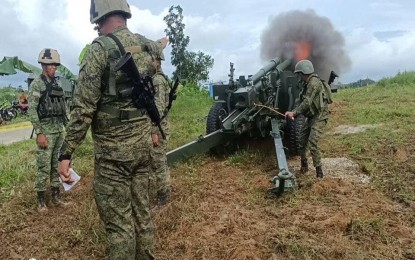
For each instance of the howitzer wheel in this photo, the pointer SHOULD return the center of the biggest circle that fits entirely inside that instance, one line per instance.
(217, 113)
(292, 135)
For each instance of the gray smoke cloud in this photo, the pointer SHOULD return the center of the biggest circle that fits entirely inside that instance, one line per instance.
(327, 44)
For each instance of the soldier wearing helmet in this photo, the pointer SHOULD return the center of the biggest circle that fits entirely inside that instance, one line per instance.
(48, 115)
(120, 131)
(315, 109)
(160, 170)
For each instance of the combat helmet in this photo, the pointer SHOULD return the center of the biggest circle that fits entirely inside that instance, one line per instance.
(49, 56)
(100, 8)
(304, 66)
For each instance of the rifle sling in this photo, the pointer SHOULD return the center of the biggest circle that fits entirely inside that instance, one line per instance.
(117, 41)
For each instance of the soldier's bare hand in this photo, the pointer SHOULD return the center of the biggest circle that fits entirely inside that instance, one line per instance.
(290, 115)
(164, 41)
(63, 170)
(42, 141)
(155, 139)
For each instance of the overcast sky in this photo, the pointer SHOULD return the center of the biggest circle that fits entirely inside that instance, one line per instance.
(379, 34)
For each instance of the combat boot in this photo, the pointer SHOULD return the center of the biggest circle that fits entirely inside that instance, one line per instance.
(41, 202)
(162, 198)
(319, 172)
(56, 199)
(304, 165)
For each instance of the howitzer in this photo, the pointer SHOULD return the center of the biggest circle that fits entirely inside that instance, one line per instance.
(254, 106)
(142, 90)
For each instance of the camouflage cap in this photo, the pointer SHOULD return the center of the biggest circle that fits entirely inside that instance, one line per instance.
(100, 8)
(158, 52)
(155, 48)
(49, 56)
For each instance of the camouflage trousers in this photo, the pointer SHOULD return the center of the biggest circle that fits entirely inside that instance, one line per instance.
(47, 162)
(160, 171)
(121, 191)
(310, 135)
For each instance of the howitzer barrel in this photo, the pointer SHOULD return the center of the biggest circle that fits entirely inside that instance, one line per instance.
(279, 66)
(274, 63)
(283, 65)
(264, 70)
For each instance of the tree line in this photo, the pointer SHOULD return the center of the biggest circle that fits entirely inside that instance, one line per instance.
(191, 67)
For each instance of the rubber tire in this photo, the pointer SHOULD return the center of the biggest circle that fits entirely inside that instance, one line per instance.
(14, 112)
(213, 119)
(6, 116)
(292, 135)
(213, 124)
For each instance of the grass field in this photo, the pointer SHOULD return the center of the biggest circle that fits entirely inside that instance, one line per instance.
(219, 207)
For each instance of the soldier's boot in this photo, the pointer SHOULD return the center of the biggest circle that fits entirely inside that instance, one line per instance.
(56, 198)
(41, 202)
(319, 172)
(304, 165)
(162, 198)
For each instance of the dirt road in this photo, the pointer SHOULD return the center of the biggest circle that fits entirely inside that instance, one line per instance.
(14, 133)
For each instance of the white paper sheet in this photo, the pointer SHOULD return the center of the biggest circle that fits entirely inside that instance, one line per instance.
(74, 177)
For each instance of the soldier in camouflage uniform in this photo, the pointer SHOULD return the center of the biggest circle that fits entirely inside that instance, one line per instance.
(313, 105)
(48, 114)
(158, 153)
(121, 132)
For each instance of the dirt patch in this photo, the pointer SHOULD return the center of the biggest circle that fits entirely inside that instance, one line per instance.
(345, 169)
(348, 129)
(399, 153)
(338, 217)
(221, 210)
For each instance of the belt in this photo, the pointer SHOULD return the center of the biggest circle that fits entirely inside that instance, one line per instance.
(121, 115)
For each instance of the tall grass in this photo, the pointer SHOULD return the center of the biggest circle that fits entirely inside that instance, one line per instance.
(188, 115)
(17, 165)
(401, 79)
(384, 151)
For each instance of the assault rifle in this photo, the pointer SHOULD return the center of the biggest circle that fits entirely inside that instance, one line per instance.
(142, 90)
(172, 96)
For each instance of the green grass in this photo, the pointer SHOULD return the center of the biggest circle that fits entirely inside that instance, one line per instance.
(188, 116)
(387, 106)
(18, 164)
(380, 151)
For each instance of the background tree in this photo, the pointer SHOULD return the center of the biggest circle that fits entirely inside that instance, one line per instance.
(190, 66)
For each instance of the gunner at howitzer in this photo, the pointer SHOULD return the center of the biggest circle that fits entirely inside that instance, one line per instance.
(314, 107)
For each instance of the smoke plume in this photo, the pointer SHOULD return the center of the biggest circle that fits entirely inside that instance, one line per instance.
(305, 35)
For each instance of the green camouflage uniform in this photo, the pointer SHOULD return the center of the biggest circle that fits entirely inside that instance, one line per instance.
(158, 153)
(54, 130)
(316, 112)
(122, 148)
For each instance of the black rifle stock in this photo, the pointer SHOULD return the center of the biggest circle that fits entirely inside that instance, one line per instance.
(172, 97)
(142, 90)
(172, 93)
